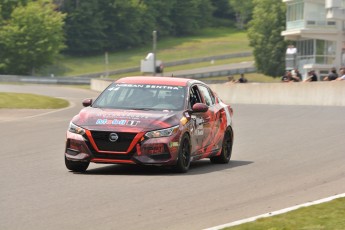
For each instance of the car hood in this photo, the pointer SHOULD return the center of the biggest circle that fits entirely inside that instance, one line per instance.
(126, 120)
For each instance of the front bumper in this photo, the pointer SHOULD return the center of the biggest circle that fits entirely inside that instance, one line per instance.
(155, 151)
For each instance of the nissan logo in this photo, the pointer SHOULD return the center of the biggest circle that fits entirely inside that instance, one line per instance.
(113, 137)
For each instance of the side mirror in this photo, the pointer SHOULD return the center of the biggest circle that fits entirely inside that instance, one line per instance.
(199, 108)
(87, 102)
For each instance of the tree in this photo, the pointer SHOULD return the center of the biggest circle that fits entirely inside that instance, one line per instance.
(84, 27)
(189, 16)
(159, 14)
(264, 35)
(128, 23)
(31, 38)
(243, 11)
(222, 9)
(8, 6)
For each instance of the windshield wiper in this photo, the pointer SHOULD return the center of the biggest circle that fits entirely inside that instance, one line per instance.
(145, 109)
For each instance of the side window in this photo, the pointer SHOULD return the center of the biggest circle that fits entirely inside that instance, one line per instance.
(194, 96)
(208, 97)
(213, 98)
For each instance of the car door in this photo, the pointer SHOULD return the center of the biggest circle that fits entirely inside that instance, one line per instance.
(209, 119)
(196, 124)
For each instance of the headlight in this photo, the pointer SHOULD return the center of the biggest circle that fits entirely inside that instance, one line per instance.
(75, 129)
(162, 132)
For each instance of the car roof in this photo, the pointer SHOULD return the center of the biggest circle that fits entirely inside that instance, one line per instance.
(157, 80)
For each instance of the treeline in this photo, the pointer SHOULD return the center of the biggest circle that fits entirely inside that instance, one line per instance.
(33, 32)
(98, 25)
(94, 26)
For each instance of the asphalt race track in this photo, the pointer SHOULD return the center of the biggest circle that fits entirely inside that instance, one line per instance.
(282, 156)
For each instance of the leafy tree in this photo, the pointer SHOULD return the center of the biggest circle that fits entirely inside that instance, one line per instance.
(243, 11)
(159, 13)
(205, 13)
(95, 26)
(2, 48)
(265, 36)
(127, 24)
(9, 5)
(31, 38)
(222, 9)
(189, 16)
(84, 26)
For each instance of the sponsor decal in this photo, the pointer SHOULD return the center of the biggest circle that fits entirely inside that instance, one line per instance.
(173, 144)
(124, 115)
(117, 122)
(145, 86)
(197, 125)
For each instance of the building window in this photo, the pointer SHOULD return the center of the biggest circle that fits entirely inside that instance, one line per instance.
(315, 12)
(316, 51)
(305, 47)
(295, 11)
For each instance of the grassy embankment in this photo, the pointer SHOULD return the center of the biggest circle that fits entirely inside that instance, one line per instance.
(30, 101)
(326, 216)
(208, 43)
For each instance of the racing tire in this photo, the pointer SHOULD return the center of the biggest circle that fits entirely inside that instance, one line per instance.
(76, 166)
(183, 160)
(225, 155)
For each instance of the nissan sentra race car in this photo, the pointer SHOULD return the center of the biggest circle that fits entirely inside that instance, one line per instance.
(161, 121)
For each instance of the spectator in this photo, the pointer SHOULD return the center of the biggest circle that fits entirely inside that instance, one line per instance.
(231, 79)
(311, 76)
(342, 74)
(299, 75)
(287, 77)
(295, 77)
(332, 76)
(291, 49)
(242, 79)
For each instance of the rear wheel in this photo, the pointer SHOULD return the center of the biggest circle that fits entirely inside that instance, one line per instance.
(76, 166)
(183, 161)
(225, 155)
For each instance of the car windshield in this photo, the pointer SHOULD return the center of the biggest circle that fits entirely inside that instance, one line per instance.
(142, 97)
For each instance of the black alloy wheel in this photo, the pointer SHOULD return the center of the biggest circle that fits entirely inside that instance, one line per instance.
(183, 161)
(225, 155)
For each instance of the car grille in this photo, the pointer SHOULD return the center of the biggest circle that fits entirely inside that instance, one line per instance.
(103, 143)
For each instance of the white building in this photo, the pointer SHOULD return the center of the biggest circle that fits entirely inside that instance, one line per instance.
(318, 29)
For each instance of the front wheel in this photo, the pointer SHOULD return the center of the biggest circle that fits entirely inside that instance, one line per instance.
(225, 155)
(76, 166)
(183, 161)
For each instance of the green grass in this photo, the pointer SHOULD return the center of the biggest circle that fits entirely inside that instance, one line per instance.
(30, 101)
(325, 216)
(213, 41)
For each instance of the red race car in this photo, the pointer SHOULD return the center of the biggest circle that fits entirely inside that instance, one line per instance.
(161, 121)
